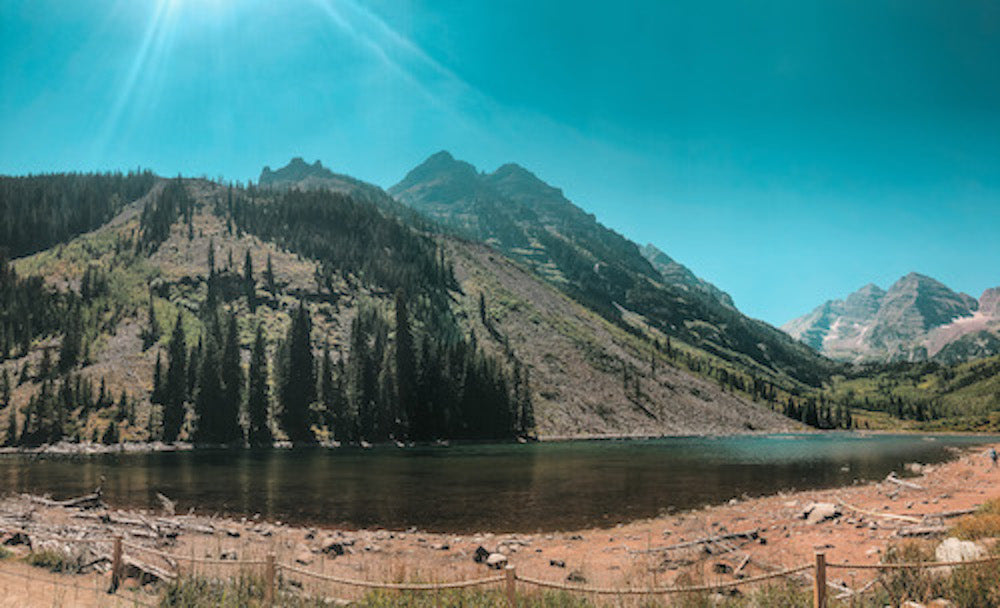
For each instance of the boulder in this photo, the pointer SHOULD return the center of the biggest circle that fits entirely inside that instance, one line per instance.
(480, 555)
(557, 563)
(576, 577)
(332, 547)
(304, 558)
(722, 568)
(496, 561)
(954, 550)
(819, 512)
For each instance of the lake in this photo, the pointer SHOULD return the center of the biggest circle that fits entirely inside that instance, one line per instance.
(468, 488)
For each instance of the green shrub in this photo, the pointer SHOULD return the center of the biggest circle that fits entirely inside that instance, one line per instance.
(54, 561)
(239, 592)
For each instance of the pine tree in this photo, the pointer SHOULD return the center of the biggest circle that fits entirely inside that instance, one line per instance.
(152, 333)
(269, 277)
(327, 389)
(298, 377)
(69, 350)
(110, 436)
(406, 374)
(157, 394)
(175, 389)
(5, 389)
(248, 281)
(233, 386)
(45, 366)
(259, 395)
(208, 402)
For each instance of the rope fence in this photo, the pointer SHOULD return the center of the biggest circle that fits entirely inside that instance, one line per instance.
(661, 590)
(272, 568)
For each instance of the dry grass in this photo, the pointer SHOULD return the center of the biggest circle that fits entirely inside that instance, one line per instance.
(984, 523)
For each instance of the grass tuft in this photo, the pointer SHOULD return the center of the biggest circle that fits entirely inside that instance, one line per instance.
(984, 523)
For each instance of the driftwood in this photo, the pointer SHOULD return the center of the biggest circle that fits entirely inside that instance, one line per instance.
(921, 530)
(743, 564)
(949, 514)
(906, 484)
(88, 501)
(145, 571)
(169, 508)
(750, 535)
(906, 518)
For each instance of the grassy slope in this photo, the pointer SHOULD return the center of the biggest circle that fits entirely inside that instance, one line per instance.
(967, 395)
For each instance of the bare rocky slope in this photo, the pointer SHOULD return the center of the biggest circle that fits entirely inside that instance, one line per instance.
(531, 221)
(918, 318)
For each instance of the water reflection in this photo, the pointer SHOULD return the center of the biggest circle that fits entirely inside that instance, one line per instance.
(478, 487)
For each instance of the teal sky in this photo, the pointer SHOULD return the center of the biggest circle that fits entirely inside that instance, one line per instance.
(789, 152)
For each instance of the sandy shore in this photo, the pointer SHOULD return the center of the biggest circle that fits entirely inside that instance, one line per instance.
(872, 516)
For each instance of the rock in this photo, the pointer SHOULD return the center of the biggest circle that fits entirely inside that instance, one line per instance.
(721, 568)
(940, 603)
(911, 604)
(303, 557)
(18, 538)
(228, 555)
(576, 577)
(331, 547)
(954, 550)
(496, 561)
(480, 555)
(576, 537)
(558, 563)
(818, 512)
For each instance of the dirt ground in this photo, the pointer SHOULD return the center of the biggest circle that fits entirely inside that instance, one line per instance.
(638, 554)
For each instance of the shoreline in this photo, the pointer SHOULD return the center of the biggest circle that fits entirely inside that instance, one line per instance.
(764, 534)
(89, 448)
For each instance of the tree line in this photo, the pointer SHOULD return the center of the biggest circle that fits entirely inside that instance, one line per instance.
(387, 385)
(39, 211)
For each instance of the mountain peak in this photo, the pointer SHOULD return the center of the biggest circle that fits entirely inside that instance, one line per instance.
(989, 302)
(873, 323)
(296, 170)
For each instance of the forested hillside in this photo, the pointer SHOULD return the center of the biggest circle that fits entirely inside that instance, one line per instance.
(39, 211)
(222, 315)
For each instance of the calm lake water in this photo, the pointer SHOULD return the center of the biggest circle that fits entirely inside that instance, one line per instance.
(509, 487)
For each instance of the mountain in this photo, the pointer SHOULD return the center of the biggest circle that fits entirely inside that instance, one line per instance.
(676, 273)
(300, 174)
(326, 276)
(517, 213)
(918, 318)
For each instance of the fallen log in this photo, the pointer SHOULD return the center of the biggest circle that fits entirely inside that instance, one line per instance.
(906, 484)
(169, 507)
(749, 535)
(89, 501)
(743, 564)
(949, 514)
(906, 518)
(145, 572)
(921, 531)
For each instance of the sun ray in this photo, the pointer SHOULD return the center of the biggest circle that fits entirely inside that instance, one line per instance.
(149, 49)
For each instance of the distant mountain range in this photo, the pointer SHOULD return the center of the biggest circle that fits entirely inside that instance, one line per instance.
(918, 318)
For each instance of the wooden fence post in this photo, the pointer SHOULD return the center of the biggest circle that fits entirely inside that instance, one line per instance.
(511, 573)
(116, 564)
(269, 576)
(819, 587)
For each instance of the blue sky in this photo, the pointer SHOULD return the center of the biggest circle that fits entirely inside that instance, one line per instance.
(790, 152)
